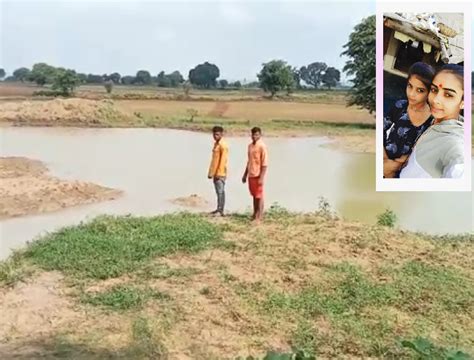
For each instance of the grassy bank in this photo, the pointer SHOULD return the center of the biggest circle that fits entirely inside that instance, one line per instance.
(187, 285)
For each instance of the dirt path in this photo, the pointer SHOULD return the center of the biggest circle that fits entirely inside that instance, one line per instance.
(28, 189)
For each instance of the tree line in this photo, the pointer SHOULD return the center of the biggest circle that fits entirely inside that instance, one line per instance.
(275, 75)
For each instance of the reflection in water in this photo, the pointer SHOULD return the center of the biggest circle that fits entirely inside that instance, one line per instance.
(154, 166)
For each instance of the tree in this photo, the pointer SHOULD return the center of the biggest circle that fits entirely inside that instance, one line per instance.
(297, 78)
(82, 78)
(331, 77)
(66, 81)
(361, 64)
(163, 80)
(236, 84)
(42, 74)
(275, 76)
(115, 77)
(313, 73)
(176, 78)
(21, 74)
(128, 80)
(94, 79)
(204, 75)
(223, 83)
(143, 77)
(2, 73)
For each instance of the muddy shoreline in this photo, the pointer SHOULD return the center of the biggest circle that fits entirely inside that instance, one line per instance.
(28, 189)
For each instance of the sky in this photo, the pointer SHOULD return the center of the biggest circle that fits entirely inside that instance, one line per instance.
(126, 36)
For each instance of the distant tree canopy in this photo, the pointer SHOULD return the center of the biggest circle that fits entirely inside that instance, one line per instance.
(312, 74)
(82, 77)
(204, 75)
(174, 79)
(143, 77)
(236, 84)
(361, 64)
(223, 83)
(2, 73)
(331, 77)
(65, 81)
(114, 77)
(276, 75)
(297, 77)
(128, 80)
(21, 74)
(94, 79)
(43, 74)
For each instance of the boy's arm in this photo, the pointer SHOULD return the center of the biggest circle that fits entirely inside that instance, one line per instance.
(263, 168)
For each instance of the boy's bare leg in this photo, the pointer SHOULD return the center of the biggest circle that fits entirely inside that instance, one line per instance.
(255, 209)
(260, 208)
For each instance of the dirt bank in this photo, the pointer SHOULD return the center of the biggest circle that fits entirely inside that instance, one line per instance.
(27, 189)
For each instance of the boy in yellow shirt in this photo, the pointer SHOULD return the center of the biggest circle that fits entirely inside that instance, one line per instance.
(218, 168)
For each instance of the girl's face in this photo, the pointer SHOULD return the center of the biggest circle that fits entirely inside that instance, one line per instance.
(446, 96)
(417, 93)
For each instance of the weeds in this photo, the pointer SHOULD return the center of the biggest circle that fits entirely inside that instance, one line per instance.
(387, 218)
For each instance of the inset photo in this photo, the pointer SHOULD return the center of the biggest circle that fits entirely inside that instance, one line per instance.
(421, 130)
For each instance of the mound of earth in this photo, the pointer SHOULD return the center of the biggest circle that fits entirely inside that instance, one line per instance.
(57, 112)
(28, 189)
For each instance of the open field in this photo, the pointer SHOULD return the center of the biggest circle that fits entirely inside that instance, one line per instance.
(186, 287)
(97, 92)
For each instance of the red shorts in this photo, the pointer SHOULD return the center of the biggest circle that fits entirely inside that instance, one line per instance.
(256, 190)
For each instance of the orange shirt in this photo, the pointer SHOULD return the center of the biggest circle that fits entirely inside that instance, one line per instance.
(257, 158)
(218, 166)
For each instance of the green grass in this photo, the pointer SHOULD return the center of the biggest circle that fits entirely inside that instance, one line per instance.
(14, 269)
(146, 344)
(159, 271)
(111, 246)
(123, 297)
(346, 295)
(274, 126)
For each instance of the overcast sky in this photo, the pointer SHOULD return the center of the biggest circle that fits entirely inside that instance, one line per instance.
(125, 36)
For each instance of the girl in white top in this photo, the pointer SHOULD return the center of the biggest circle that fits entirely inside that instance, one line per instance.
(439, 152)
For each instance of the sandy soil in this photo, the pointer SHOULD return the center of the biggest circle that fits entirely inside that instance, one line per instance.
(28, 189)
(77, 112)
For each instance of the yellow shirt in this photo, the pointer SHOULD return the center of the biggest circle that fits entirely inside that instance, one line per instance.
(257, 158)
(220, 153)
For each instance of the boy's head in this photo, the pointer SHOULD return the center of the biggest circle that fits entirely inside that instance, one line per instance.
(256, 134)
(217, 132)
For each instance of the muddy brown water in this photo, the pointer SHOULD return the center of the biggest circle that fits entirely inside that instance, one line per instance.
(154, 166)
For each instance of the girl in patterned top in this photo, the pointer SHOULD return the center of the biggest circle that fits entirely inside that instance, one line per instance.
(407, 120)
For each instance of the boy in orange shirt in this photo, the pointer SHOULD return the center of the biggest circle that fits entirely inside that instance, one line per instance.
(218, 168)
(255, 171)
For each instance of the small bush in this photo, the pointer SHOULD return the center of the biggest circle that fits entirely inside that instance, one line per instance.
(109, 85)
(50, 93)
(277, 211)
(387, 218)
